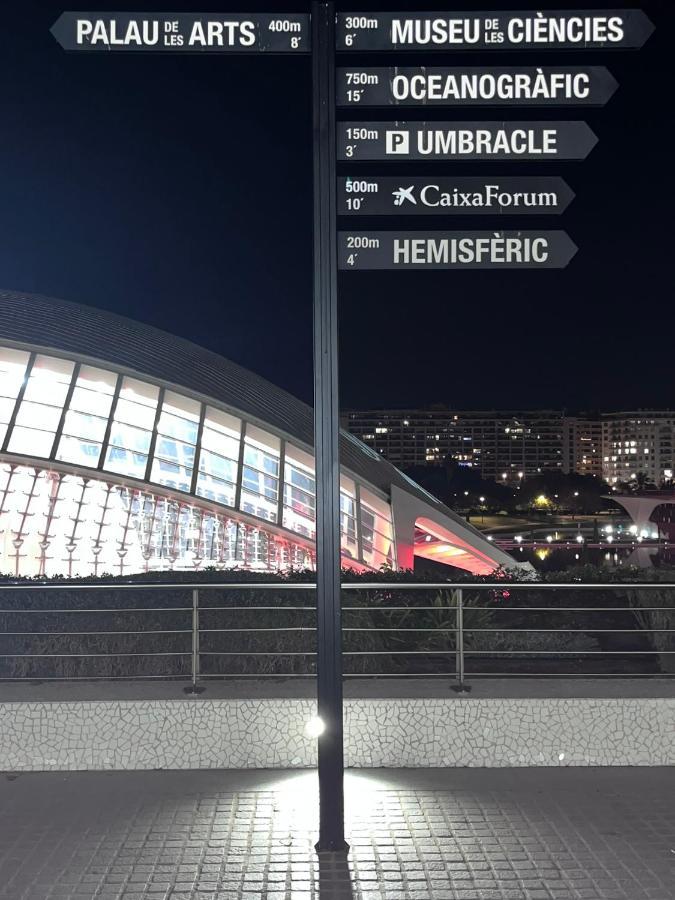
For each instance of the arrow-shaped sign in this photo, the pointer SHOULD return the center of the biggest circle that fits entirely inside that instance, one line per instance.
(454, 249)
(475, 86)
(572, 29)
(448, 195)
(464, 140)
(184, 32)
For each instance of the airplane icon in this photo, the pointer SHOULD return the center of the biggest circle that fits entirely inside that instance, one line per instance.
(402, 194)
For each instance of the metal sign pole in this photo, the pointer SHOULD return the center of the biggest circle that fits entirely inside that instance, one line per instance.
(326, 435)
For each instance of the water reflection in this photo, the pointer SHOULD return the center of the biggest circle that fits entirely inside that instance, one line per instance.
(558, 559)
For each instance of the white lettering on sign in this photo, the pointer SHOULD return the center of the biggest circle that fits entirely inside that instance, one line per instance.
(492, 195)
(566, 29)
(216, 33)
(397, 142)
(142, 33)
(493, 250)
(535, 29)
(490, 86)
(485, 142)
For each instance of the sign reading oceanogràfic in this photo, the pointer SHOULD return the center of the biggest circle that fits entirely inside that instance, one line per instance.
(464, 140)
(187, 32)
(450, 196)
(604, 29)
(475, 86)
(454, 250)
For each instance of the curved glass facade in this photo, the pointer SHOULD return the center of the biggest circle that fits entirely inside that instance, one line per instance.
(104, 472)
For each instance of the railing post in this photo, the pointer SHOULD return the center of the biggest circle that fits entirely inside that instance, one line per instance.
(460, 687)
(193, 689)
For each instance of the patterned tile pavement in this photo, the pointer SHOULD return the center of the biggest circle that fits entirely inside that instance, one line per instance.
(459, 834)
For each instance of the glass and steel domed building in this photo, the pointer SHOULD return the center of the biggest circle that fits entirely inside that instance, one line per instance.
(125, 449)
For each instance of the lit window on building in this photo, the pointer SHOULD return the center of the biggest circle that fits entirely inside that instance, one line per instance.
(132, 427)
(219, 457)
(377, 531)
(299, 492)
(175, 445)
(260, 474)
(12, 371)
(39, 413)
(87, 417)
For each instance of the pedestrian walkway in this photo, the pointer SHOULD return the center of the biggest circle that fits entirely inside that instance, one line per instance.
(467, 834)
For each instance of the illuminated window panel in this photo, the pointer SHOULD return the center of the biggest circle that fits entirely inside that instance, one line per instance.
(174, 456)
(299, 492)
(348, 530)
(377, 531)
(86, 421)
(131, 431)
(12, 371)
(40, 411)
(260, 474)
(219, 457)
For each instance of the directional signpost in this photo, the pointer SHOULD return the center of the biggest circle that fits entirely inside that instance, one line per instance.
(600, 29)
(452, 196)
(476, 86)
(464, 140)
(455, 249)
(183, 32)
(352, 193)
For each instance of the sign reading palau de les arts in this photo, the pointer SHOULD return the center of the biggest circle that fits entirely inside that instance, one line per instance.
(186, 32)
(418, 87)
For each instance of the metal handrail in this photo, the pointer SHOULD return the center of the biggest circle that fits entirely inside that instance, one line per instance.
(456, 605)
(345, 586)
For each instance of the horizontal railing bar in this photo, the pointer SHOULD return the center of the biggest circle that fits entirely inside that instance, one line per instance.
(504, 652)
(385, 609)
(345, 586)
(637, 630)
(570, 652)
(179, 679)
(503, 586)
(299, 628)
(202, 676)
(258, 653)
(86, 633)
(119, 609)
(258, 608)
(555, 675)
(312, 628)
(135, 586)
(559, 608)
(264, 630)
(88, 655)
(467, 609)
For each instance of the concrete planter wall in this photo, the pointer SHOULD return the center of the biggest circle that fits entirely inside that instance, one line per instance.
(197, 733)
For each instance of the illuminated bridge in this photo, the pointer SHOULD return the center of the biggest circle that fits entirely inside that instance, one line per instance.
(125, 449)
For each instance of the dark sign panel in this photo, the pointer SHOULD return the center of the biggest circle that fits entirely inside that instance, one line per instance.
(186, 32)
(448, 196)
(475, 86)
(464, 140)
(454, 250)
(581, 29)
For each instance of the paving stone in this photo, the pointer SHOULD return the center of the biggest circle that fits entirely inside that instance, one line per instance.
(509, 835)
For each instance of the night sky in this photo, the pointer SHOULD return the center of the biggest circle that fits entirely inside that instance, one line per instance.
(177, 190)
